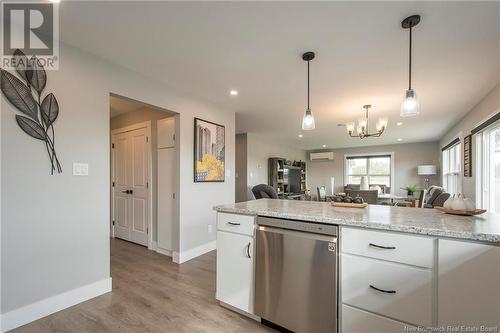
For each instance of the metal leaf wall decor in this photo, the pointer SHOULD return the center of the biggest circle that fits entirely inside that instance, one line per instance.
(25, 94)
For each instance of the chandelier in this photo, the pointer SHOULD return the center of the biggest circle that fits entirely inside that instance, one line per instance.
(363, 124)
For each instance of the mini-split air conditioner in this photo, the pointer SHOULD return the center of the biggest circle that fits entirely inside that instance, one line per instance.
(323, 156)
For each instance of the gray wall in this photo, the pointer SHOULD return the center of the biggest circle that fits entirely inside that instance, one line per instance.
(241, 167)
(139, 116)
(488, 106)
(259, 149)
(406, 159)
(55, 229)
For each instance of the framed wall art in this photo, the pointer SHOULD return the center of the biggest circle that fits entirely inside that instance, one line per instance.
(209, 151)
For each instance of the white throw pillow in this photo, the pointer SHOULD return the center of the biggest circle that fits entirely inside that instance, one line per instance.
(376, 187)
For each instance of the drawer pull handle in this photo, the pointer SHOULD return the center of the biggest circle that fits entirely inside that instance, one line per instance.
(248, 250)
(382, 290)
(382, 247)
(233, 223)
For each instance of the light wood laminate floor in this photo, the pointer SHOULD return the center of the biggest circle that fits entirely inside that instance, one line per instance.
(151, 294)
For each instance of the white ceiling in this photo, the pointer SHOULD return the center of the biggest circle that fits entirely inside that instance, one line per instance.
(207, 48)
(118, 106)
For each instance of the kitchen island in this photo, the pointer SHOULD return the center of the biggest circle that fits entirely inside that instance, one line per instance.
(399, 268)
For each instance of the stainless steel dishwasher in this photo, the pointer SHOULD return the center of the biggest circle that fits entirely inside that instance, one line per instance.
(296, 275)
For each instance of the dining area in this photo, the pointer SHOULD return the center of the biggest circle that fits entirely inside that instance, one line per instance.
(433, 196)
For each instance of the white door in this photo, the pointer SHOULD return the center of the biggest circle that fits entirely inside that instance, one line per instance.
(130, 164)
(121, 204)
(235, 270)
(166, 132)
(166, 199)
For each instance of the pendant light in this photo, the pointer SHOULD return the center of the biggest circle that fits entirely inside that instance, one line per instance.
(410, 106)
(308, 119)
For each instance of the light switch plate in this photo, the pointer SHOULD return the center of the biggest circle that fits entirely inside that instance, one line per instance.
(228, 173)
(80, 169)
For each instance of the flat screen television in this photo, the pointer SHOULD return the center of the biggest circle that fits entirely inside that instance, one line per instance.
(292, 179)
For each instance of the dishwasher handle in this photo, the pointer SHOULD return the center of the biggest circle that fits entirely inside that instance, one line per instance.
(304, 234)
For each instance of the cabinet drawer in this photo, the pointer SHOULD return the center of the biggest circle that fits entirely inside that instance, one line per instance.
(240, 224)
(412, 250)
(398, 291)
(358, 321)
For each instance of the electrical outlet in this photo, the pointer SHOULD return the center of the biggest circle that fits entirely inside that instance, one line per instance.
(209, 228)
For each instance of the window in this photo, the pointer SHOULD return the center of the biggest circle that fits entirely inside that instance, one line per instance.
(488, 168)
(376, 167)
(451, 157)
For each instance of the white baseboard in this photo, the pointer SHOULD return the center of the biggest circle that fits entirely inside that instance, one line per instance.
(182, 257)
(45, 307)
(158, 249)
(175, 257)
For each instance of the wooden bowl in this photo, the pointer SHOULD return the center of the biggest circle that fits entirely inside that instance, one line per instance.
(349, 204)
(461, 212)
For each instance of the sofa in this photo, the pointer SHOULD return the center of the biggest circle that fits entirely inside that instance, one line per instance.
(435, 197)
(356, 187)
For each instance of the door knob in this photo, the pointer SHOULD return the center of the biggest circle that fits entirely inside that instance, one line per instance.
(126, 191)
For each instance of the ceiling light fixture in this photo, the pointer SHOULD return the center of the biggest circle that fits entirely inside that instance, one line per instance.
(300, 135)
(308, 119)
(233, 92)
(324, 146)
(55, 1)
(400, 140)
(399, 123)
(410, 106)
(362, 129)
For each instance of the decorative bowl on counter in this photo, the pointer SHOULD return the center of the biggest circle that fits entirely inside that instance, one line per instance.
(461, 212)
(349, 204)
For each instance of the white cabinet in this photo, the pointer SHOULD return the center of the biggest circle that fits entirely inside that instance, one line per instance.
(468, 284)
(238, 224)
(390, 246)
(235, 278)
(166, 199)
(235, 263)
(166, 132)
(387, 281)
(359, 321)
(398, 291)
(166, 167)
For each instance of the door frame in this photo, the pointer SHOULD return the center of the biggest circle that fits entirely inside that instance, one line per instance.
(147, 126)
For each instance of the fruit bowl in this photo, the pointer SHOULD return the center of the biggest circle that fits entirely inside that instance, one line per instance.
(461, 212)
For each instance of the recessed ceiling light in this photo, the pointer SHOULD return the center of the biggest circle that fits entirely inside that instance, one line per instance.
(324, 146)
(399, 123)
(55, 1)
(300, 135)
(233, 92)
(399, 139)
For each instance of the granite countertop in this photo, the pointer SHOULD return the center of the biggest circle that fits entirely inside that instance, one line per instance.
(484, 227)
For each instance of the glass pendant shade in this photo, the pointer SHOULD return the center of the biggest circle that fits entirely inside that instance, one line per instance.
(382, 124)
(350, 127)
(362, 124)
(410, 106)
(308, 121)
